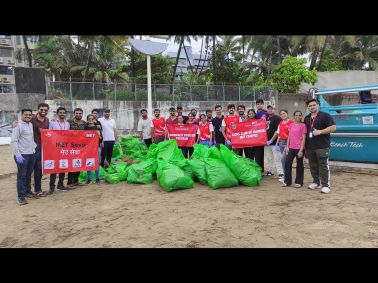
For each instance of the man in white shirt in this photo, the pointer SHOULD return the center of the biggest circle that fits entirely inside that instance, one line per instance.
(110, 136)
(145, 127)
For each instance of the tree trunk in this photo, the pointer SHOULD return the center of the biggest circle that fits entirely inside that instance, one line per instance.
(214, 68)
(243, 43)
(322, 52)
(206, 52)
(133, 71)
(314, 56)
(175, 67)
(199, 61)
(28, 53)
(279, 50)
(89, 59)
(187, 57)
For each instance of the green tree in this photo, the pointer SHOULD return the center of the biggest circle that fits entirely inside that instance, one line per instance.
(329, 62)
(291, 73)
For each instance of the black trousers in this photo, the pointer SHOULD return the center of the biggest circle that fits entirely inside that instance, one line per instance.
(239, 151)
(148, 142)
(107, 152)
(73, 177)
(186, 151)
(53, 178)
(256, 153)
(289, 165)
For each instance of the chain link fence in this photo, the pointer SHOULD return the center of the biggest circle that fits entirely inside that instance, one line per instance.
(160, 92)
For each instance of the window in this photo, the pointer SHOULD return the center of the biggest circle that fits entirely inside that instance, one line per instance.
(18, 39)
(5, 52)
(6, 89)
(5, 37)
(5, 70)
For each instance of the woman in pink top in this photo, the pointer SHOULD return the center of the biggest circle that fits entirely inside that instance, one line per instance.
(294, 149)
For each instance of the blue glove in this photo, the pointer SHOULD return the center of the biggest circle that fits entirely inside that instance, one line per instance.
(269, 142)
(228, 143)
(142, 141)
(276, 148)
(210, 143)
(20, 159)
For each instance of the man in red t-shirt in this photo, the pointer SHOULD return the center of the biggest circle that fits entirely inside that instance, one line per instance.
(172, 119)
(228, 124)
(158, 131)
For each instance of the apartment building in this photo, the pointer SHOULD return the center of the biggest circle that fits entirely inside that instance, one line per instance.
(12, 54)
(183, 66)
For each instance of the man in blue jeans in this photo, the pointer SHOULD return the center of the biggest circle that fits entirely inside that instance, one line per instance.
(23, 146)
(39, 122)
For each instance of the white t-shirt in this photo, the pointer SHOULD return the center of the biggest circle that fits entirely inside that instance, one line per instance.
(108, 126)
(145, 126)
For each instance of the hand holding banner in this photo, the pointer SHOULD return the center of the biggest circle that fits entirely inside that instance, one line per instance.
(249, 133)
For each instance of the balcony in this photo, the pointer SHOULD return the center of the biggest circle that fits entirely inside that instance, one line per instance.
(6, 42)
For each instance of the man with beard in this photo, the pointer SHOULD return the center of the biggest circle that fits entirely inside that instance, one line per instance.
(217, 124)
(110, 136)
(144, 129)
(243, 117)
(75, 124)
(39, 122)
(179, 113)
(158, 131)
(58, 124)
(209, 115)
(228, 124)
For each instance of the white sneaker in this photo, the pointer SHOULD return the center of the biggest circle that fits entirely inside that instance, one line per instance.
(325, 190)
(281, 179)
(314, 186)
(297, 185)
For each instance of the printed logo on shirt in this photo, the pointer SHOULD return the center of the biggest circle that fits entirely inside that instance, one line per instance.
(49, 164)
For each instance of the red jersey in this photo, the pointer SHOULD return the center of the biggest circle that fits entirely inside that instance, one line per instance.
(205, 131)
(170, 121)
(283, 129)
(159, 126)
(229, 123)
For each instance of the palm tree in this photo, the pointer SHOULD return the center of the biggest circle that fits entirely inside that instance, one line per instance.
(28, 53)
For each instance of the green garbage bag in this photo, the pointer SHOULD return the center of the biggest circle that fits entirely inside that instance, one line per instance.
(122, 175)
(116, 151)
(112, 178)
(200, 151)
(119, 166)
(219, 175)
(184, 166)
(133, 147)
(214, 153)
(199, 170)
(169, 151)
(119, 156)
(141, 173)
(171, 177)
(247, 171)
(83, 177)
(110, 170)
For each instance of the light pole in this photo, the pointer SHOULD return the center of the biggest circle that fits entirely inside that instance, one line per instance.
(148, 48)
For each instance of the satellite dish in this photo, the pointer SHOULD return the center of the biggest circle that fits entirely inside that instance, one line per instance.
(148, 47)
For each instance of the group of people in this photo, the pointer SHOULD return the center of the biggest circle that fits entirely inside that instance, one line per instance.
(287, 139)
(27, 147)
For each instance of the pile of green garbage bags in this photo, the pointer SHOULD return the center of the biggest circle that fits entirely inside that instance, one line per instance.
(216, 168)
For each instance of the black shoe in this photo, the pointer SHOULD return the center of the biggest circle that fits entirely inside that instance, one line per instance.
(63, 188)
(88, 182)
(97, 181)
(51, 192)
(269, 173)
(31, 195)
(22, 201)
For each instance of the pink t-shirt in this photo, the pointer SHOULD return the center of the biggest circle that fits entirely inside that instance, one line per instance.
(296, 132)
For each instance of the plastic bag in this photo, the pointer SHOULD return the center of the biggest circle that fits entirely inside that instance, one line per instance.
(83, 177)
(141, 173)
(184, 166)
(247, 171)
(116, 151)
(219, 175)
(200, 151)
(199, 170)
(171, 177)
(113, 178)
(214, 153)
(169, 151)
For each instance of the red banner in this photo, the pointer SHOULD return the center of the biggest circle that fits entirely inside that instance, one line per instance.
(249, 133)
(69, 151)
(185, 135)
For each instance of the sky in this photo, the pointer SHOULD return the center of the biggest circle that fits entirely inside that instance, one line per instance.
(173, 47)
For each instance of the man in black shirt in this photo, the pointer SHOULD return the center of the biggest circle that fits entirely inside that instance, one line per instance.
(209, 115)
(217, 124)
(273, 156)
(319, 126)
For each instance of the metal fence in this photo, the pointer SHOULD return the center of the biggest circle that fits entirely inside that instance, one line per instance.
(160, 92)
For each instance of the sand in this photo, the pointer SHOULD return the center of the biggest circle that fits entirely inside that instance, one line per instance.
(125, 215)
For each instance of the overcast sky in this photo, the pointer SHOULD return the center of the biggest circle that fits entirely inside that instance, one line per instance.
(173, 47)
